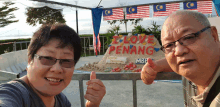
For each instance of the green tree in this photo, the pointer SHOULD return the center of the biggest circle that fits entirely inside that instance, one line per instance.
(43, 15)
(114, 29)
(139, 30)
(6, 14)
(155, 31)
(110, 33)
(125, 21)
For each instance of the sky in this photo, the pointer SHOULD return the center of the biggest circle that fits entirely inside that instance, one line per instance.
(22, 30)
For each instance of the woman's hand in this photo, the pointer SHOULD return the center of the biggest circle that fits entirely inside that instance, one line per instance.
(95, 91)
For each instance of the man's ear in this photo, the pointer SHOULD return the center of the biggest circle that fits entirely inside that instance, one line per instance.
(214, 33)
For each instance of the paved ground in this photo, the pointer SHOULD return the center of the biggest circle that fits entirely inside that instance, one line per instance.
(119, 94)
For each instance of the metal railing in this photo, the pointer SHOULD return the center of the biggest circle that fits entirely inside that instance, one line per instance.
(7, 76)
(104, 76)
(85, 46)
(120, 76)
(87, 43)
(15, 43)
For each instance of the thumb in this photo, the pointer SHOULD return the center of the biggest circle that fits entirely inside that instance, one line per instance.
(151, 63)
(92, 75)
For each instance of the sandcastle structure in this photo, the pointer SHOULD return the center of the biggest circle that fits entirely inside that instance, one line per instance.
(127, 53)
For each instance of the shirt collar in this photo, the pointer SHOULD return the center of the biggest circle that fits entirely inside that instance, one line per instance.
(201, 97)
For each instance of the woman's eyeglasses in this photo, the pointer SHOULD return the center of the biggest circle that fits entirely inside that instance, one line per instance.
(46, 60)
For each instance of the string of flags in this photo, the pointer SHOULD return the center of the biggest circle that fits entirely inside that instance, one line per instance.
(133, 12)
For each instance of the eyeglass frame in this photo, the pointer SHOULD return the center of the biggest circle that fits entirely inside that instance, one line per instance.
(195, 35)
(60, 62)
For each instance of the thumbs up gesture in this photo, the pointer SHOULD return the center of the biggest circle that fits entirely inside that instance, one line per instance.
(151, 68)
(95, 91)
(149, 72)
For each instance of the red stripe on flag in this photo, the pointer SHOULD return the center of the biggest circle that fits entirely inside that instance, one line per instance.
(142, 11)
(170, 8)
(94, 43)
(98, 46)
(204, 7)
(99, 43)
(117, 13)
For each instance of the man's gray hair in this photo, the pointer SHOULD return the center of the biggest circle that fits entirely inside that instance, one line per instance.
(201, 18)
(197, 15)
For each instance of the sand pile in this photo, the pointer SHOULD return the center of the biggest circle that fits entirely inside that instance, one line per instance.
(127, 54)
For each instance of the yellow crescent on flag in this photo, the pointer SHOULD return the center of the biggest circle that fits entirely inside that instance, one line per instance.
(187, 5)
(105, 12)
(157, 7)
(129, 9)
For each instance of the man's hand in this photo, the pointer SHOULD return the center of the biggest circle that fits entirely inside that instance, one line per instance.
(151, 68)
(148, 73)
(95, 91)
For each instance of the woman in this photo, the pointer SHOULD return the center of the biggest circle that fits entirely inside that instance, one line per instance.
(52, 54)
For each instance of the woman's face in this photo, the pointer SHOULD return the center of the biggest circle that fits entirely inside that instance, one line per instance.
(50, 80)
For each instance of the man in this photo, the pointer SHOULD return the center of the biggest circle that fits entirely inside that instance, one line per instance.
(191, 48)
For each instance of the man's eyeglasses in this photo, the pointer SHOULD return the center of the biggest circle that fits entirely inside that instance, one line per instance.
(185, 40)
(46, 60)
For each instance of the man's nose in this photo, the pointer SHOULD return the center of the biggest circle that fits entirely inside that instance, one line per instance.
(180, 49)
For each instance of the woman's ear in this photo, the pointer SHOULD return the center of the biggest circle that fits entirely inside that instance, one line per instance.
(29, 64)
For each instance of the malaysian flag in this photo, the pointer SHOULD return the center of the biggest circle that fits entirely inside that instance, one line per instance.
(165, 9)
(113, 14)
(96, 21)
(217, 7)
(204, 7)
(137, 12)
(216, 12)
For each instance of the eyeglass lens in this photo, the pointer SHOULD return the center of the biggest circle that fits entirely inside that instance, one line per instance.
(67, 63)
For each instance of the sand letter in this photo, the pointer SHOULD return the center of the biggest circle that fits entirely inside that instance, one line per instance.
(112, 48)
(133, 40)
(115, 40)
(125, 40)
(151, 51)
(118, 48)
(150, 39)
(125, 49)
(141, 50)
(142, 40)
(133, 49)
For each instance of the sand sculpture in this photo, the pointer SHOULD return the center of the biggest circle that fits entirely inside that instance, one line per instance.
(127, 54)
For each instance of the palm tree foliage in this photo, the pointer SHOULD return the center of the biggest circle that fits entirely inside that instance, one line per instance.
(43, 15)
(154, 29)
(6, 14)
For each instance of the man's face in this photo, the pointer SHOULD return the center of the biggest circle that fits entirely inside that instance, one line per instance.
(42, 77)
(197, 59)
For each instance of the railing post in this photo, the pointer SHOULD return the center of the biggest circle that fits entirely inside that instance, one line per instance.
(26, 45)
(84, 46)
(89, 45)
(21, 45)
(103, 44)
(81, 93)
(14, 46)
(134, 93)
